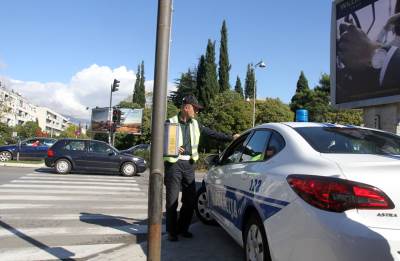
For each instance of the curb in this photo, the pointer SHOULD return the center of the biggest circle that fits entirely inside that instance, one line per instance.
(22, 165)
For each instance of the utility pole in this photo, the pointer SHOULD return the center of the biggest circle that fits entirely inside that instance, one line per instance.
(157, 136)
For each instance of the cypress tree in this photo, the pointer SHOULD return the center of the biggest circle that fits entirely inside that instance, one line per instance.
(211, 80)
(186, 84)
(250, 83)
(238, 86)
(201, 85)
(142, 89)
(303, 96)
(135, 98)
(224, 66)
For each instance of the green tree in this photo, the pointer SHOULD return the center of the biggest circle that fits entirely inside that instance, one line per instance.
(201, 84)
(5, 134)
(139, 96)
(303, 96)
(352, 117)
(142, 89)
(136, 89)
(250, 82)
(238, 86)
(27, 130)
(228, 113)
(71, 132)
(272, 110)
(211, 80)
(185, 85)
(224, 66)
(319, 106)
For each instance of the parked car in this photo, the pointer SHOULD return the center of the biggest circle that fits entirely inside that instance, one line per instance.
(68, 155)
(140, 148)
(307, 191)
(30, 149)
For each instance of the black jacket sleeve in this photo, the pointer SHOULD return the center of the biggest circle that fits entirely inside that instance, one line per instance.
(214, 134)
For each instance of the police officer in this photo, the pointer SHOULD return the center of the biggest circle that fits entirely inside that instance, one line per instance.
(180, 170)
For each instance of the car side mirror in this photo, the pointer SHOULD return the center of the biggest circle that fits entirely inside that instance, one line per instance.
(212, 160)
(111, 153)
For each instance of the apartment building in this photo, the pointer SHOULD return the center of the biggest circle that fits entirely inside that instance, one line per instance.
(51, 121)
(15, 110)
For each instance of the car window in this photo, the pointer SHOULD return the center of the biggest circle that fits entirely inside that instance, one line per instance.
(48, 142)
(234, 152)
(28, 142)
(75, 145)
(350, 140)
(255, 148)
(99, 147)
(275, 145)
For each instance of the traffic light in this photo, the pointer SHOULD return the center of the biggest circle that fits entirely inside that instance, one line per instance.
(116, 116)
(115, 85)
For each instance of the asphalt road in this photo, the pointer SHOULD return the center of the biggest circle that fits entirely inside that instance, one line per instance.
(46, 216)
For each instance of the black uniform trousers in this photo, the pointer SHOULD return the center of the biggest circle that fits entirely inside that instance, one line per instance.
(179, 175)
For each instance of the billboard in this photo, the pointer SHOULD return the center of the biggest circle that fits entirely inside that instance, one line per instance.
(365, 54)
(100, 119)
(131, 121)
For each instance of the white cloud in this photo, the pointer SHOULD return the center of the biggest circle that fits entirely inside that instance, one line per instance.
(88, 88)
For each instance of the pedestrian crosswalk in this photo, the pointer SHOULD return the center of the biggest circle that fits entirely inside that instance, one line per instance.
(45, 216)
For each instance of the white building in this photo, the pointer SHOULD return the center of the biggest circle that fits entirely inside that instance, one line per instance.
(51, 121)
(15, 109)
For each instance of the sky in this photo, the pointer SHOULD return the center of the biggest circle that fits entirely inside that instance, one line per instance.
(65, 54)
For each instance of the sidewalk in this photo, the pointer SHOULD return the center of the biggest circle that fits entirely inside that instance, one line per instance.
(210, 243)
(21, 165)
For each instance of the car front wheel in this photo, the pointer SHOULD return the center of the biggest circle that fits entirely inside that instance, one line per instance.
(255, 241)
(128, 169)
(202, 210)
(63, 166)
(5, 156)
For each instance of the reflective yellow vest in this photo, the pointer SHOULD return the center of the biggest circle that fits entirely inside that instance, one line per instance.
(194, 139)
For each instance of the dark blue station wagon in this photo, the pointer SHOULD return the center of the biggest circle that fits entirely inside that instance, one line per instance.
(68, 155)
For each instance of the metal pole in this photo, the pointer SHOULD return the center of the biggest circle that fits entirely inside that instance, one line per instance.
(110, 118)
(157, 136)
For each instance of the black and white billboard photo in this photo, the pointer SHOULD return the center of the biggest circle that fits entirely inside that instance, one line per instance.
(365, 58)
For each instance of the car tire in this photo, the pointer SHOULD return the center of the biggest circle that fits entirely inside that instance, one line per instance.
(201, 208)
(5, 155)
(63, 166)
(128, 169)
(255, 244)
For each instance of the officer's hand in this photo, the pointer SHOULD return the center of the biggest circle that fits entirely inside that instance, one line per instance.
(181, 150)
(235, 136)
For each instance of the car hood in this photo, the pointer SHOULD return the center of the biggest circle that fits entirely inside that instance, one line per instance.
(381, 171)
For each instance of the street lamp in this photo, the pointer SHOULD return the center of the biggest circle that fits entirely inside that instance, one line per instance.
(260, 64)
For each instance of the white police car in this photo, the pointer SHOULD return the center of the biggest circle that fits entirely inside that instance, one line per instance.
(307, 191)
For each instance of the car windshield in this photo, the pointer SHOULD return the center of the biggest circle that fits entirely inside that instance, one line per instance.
(350, 140)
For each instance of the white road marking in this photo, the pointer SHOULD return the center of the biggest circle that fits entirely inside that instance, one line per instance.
(128, 181)
(77, 231)
(109, 177)
(134, 192)
(74, 182)
(71, 198)
(68, 187)
(134, 216)
(56, 252)
(4, 206)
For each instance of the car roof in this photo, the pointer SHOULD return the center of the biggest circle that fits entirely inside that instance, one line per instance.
(317, 124)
